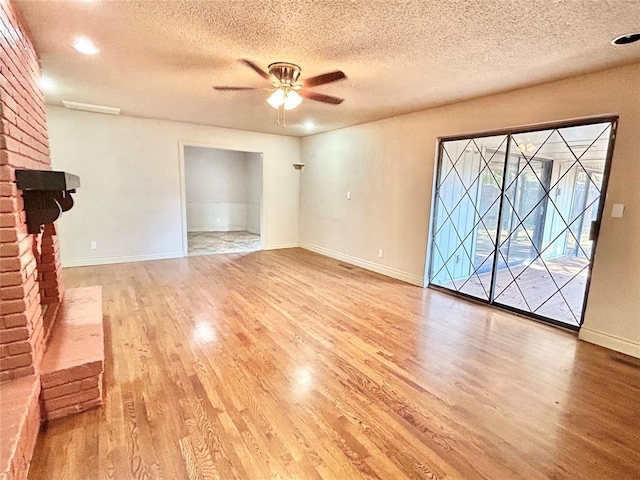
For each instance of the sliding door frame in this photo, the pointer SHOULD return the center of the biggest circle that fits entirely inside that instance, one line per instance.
(509, 132)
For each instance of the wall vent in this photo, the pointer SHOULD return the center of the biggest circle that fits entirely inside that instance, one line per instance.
(86, 107)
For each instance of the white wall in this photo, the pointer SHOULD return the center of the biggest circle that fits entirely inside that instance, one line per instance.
(223, 190)
(130, 198)
(254, 191)
(388, 166)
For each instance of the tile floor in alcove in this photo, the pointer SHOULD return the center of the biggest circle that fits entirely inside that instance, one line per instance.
(207, 243)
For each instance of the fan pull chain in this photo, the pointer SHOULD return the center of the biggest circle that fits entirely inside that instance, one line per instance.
(282, 123)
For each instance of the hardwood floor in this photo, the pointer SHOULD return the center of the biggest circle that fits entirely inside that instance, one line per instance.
(285, 364)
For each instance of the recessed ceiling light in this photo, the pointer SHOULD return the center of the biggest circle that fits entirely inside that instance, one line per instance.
(86, 46)
(308, 125)
(46, 83)
(626, 39)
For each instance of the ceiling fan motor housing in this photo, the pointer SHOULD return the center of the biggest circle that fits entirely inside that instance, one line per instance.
(285, 73)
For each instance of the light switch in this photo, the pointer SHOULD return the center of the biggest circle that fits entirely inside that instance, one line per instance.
(348, 195)
(617, 211)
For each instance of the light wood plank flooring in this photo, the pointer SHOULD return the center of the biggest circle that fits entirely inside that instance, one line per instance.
(285, 364)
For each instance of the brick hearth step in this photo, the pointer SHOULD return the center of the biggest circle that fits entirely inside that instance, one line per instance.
(71, 371)
(19, 425)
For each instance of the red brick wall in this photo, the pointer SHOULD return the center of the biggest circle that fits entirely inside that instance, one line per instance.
(50, 267)
(24, 284)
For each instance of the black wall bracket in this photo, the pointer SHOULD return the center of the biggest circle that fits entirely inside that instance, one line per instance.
(46, 195)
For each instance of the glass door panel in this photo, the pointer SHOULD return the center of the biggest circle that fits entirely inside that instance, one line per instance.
(545, 250)
(467, 203)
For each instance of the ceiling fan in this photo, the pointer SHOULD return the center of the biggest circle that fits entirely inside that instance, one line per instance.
(287, 91)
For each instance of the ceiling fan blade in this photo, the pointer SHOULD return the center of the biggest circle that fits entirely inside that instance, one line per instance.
(255, 68)
(319, 97)
(324, 78)
(236, 88)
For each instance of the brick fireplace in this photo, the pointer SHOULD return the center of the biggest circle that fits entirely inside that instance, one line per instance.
(51, 348)
(29, 263)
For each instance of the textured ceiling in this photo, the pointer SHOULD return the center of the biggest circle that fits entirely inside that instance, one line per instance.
(160, 59)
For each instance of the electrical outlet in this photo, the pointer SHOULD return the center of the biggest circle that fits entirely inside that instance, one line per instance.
(94, 246)
(380, 253)
(617, 211)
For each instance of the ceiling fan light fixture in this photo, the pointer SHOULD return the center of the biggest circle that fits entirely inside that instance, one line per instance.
(291, 100)
(284, 97)
(277, 98)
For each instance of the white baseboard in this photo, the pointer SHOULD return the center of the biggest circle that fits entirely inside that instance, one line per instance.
(228, 228)
(610, 341)
(367, 265)
(276, 246)
(87, 261)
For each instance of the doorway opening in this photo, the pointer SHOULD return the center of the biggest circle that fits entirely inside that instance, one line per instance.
(223, 200)
(517, 214)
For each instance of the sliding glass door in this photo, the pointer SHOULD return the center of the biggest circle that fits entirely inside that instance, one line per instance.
(516, 216)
